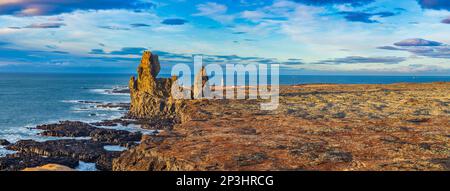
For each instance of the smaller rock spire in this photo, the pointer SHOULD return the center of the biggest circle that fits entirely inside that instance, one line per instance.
(200, 82)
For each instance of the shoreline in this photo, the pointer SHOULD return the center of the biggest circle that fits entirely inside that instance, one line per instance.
(11, 157)
(109, 126)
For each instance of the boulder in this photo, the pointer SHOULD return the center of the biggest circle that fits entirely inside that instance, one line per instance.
(66, 129)
(4, 142)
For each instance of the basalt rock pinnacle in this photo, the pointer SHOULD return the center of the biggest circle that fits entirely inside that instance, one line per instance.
(151, 96)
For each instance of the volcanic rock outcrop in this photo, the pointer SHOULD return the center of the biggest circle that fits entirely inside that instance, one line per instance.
(151, 97)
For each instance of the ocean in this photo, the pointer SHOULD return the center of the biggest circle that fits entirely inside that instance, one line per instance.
(27, 100)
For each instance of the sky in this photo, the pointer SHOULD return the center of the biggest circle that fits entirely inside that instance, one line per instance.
(306, 37)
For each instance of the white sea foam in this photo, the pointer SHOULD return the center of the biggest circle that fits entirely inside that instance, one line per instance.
(70, 101)
(110, 91)
(85, 166)
(99, 91)
(4, 152)
(114, 148)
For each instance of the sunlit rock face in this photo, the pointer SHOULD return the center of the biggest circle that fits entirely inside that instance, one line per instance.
(151, 97)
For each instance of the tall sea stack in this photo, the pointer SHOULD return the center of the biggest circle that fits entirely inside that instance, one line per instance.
(151, 96)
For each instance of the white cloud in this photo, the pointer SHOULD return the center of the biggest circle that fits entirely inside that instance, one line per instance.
(4, 31)
(253, 15)
(214, 11)
(209, 9)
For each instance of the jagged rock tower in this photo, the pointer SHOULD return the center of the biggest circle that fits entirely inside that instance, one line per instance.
(151, 97)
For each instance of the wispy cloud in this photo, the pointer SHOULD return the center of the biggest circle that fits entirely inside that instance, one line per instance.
(421, 47)
(363, 60)
(137, 25)
(335, 2)
(214, 11)
(417, 42)
(45, 25)
(446, 20)
(117, 28)
(52, 7)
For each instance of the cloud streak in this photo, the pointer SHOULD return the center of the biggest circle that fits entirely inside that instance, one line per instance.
(417, 42)
(421, 47)
(52, 7)
(45, 25)
(354, 3)
(363, 60)
(446, 21)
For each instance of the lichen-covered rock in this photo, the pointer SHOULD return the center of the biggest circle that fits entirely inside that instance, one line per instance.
(378, 132)
(146, 157)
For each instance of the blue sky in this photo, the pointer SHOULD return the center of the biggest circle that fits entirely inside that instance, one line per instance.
(404, 37)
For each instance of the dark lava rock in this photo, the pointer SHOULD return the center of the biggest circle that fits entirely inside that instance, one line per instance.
(106, 123)
(336, 156)
(67, 129)
(445, 162)
(113, 123)
(79, 129)
(20, 161)
(120, 91)
(248, 160)
(90, 102)
(425, 146)
(4, 142)
(153, 123)
(116, 137)
(339, 115)
(309, 150)
(419, 120)
(104, 162)
(119, 106)
(85, 150)
(157, 123)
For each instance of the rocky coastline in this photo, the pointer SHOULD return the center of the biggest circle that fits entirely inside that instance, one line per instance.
(316, 127)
